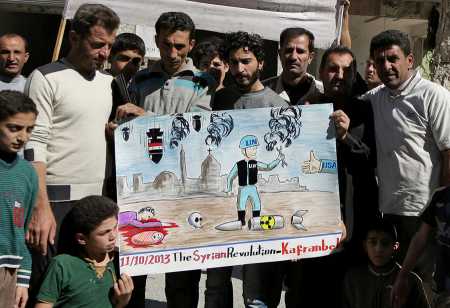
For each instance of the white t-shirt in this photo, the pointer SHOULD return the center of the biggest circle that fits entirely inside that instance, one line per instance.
(412, 127)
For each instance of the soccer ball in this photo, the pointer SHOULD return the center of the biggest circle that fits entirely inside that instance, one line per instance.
(267, 222)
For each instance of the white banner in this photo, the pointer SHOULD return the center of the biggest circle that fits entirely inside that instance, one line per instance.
(265, 17)
(229, 254)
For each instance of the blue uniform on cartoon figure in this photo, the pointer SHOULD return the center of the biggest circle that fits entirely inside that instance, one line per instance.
(247, 172)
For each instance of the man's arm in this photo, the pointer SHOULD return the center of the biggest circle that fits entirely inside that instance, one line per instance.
(445, 168)
(270, 166)
(346, 39)
(400, 289)
(42, 227)
(43, 305)
(438, 108)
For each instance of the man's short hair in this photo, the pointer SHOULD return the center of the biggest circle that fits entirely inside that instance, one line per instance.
(175, 21)
(14, 102)
(128, 41)
(90, 15)
(389, 38)
(290, 33)
(211, 48)
(382, 225)
(241, 39)
(339, 50)
(12, 35)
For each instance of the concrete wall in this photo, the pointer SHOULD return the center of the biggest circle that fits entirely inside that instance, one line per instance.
(363, 28)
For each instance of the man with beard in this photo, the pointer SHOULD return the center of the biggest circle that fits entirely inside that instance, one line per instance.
(358, 193)
(13, 56)
(355, 143)
(245, 55)
(412, 127)
(68, 146)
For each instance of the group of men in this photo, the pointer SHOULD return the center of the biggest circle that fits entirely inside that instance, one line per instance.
(400, 129)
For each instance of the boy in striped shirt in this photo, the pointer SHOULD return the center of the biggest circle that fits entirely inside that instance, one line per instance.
(18, 189)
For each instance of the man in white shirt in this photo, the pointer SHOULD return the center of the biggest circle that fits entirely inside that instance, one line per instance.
(412, 128)
(68, 146)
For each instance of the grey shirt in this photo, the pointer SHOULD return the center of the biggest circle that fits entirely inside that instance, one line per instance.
(260, 99)
(17, 83)
(412, 127)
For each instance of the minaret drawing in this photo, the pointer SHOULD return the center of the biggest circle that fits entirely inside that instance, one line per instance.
(183, 166)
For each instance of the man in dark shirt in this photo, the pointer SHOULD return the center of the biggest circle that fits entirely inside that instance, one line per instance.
(358, 189)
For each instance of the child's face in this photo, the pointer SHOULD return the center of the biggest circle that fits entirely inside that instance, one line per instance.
(103, 238)
(379, 247)
(15, 131)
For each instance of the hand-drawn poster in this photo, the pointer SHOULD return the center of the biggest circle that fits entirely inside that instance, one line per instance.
(199, 190)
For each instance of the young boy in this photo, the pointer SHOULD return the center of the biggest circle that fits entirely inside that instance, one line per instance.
(370, 286)
(84, 277)
(18, 189)
(436, 217)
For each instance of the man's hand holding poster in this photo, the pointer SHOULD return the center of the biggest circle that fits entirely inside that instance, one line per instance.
(210, 189)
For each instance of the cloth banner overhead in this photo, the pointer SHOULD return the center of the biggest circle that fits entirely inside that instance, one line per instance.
(265, 17)
(212, 189)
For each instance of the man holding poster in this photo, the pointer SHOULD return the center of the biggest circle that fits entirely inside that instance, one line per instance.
(172, 85)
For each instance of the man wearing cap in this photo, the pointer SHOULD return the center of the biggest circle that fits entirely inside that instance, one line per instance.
(247, 172)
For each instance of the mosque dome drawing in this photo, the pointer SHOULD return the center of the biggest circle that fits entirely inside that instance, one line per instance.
(166, 181)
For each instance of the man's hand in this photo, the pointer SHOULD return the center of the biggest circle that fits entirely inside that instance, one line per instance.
(341, 122)
(109, 129)
(42, 227)
(21, 297)
(400, 290)
(127, 110)
(312, 165)
(346, 4)
(122, 291)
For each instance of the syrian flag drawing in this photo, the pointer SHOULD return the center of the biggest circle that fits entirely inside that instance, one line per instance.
(155, 144)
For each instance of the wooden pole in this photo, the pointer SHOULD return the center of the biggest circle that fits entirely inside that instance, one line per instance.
(59, 39)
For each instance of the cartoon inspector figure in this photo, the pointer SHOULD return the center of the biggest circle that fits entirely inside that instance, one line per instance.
(247, 172)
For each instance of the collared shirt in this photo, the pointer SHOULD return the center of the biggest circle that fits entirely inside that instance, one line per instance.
(186, 90)
(311, 96)
(412, 127)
